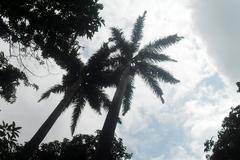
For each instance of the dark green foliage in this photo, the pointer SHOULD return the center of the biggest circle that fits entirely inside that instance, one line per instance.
(227, 145)
(80, 147)
(31, 21)
(50, 26)
(47, 27)
(10, 78)
(8, 140)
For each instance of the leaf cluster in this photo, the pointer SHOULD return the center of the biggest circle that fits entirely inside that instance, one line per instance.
(82, 147)
(227, 145)
(50, 26)
(10, 78)
(8, 139)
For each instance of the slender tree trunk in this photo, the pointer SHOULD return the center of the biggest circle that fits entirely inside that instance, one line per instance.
(107, 133)
(47, 125)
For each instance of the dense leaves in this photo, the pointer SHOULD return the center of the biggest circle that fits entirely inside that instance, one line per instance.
(50, 28)
(8, 140)
(10, 78)
(227, 145)
(80, 147)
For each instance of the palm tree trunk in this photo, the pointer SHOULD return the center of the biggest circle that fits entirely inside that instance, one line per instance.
(107, 133)
(47, 125)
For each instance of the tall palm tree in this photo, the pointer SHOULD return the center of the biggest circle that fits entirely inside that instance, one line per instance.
(79, 86)
(131, 61)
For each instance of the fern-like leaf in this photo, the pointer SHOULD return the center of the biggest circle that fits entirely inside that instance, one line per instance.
(163, 43)
(125, 47)
(127, 99)
(150, 55)
(152, 83)
(137, 32)
(78, 106)
(157, 72)
(58, 88)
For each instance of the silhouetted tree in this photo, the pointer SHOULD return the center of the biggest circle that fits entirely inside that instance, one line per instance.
(85, 86)
(10, 78)
(8, 140)
(50, 28)
(227, 145)
(80, 147)
(130, 61)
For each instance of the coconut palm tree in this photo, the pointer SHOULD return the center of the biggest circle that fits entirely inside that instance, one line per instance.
(79, 86)
(131, 61)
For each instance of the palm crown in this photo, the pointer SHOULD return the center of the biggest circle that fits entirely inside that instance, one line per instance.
(128, 60)
(93, 77)
(142, 62)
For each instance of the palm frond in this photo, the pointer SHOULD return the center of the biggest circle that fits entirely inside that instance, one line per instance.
(126, 48)
(117, 36)
(105, 102)
(137, 32)
(152, 83)
(78, 106)
(98, 60)
(96, 97)
(150, 55)
(58, 88)
(163, 43)
(128, 95)
(157, 72)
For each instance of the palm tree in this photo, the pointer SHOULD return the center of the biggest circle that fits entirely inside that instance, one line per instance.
(131, 61)
(79, 86)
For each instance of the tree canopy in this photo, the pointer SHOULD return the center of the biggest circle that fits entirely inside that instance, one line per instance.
(10, 78)
(8, 140)
(227, 145)
(45, 29)
(50, 26)
(81, 146)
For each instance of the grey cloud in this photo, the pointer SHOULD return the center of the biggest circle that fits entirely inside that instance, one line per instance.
(217, 22)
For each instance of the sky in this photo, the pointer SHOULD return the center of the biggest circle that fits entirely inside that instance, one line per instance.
(207, 68)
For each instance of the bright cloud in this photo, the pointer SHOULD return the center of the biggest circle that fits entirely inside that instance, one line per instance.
(194, 108)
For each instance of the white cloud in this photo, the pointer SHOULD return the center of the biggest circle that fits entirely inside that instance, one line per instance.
(194, 108)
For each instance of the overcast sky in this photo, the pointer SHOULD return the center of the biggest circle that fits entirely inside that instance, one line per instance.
(207, 68)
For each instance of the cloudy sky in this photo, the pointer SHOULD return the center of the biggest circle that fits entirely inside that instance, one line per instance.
(194, 109)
